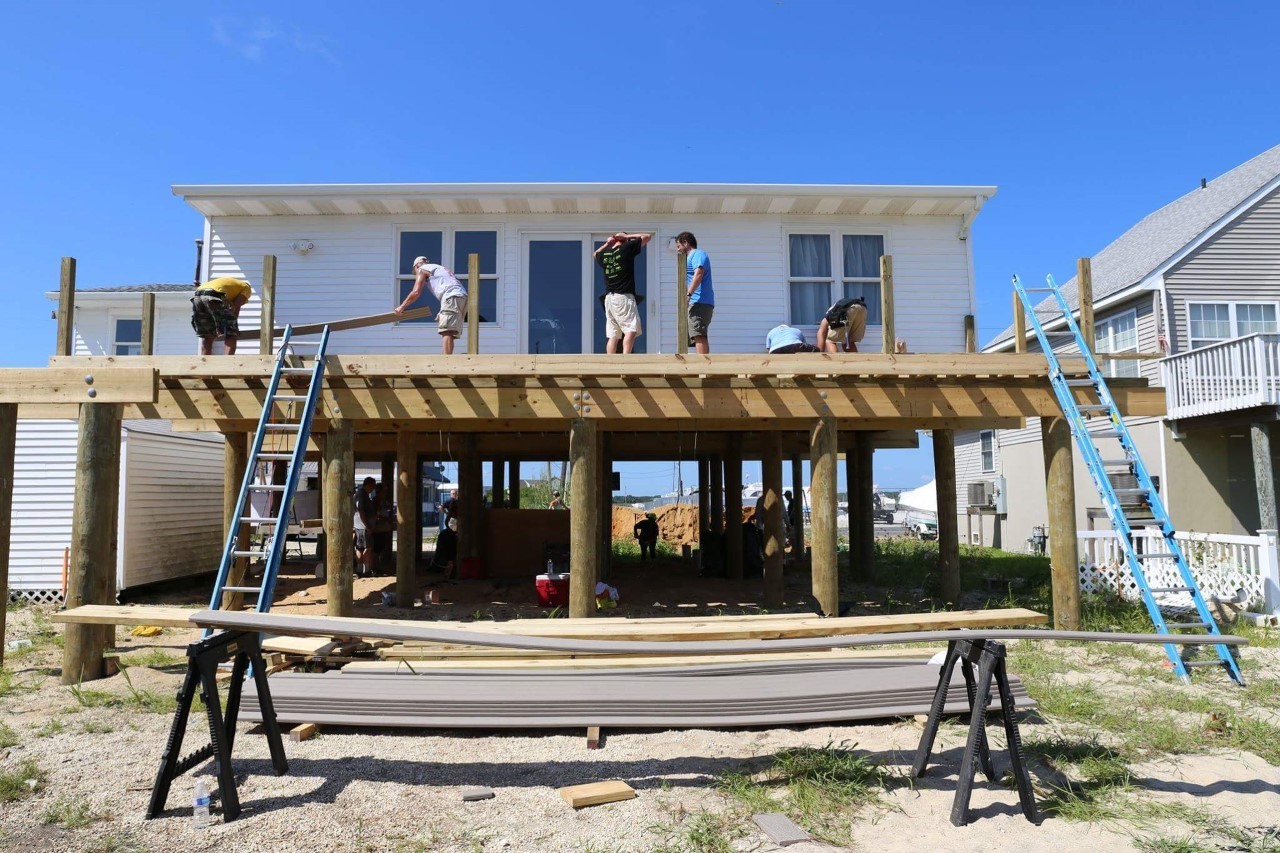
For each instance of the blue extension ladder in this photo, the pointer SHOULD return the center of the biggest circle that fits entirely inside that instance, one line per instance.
(1157, 599)
(299, 405)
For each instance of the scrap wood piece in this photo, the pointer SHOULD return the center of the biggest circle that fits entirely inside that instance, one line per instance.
(597, 793)
(471, 795)
(780, 829)
(306, 731)
(593, 737)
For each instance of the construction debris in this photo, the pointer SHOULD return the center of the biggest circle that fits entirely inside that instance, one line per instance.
(597, 793)
(471, 795)
(780, 829)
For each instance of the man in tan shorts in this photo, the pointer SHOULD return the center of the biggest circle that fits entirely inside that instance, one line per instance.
(452, 295)
(617, 258)
(843, 326)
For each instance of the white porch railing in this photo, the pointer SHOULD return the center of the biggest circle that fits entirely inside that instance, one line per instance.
(1221, 564)
(1237, 374)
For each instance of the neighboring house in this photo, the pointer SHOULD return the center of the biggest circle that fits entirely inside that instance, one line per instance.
(1198, 280)
(170, 483)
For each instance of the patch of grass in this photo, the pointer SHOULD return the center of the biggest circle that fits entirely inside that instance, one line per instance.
(1033, 661)
(1259, 636)
(152, 657)
(628, 551)
(96, 727)
(1186, 844)
(89, 698)
(1112, 613)
(72, 814)
(21, 782)
(149, 700)
(1263, 691)
(1241, 731)
(7, 736)
(51, 728)
(10, 685)
(699, 832)
(114, 844)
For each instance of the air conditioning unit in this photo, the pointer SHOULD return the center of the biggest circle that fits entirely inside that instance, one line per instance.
(981, 493)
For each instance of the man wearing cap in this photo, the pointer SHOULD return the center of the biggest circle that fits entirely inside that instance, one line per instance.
(646, 531)
(617, 257)
(215, 310)
(445, 287)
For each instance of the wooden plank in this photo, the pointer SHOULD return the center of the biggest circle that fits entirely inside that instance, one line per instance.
(822, 490)
(126, 614)
(887, 340)
(148, 324)
(471, 498)
(593, 737)
(1059, 467)
(1019, 325)
(66, 309)
(473, 304)
(780, 829)
(534, 659)
(597, 793)
(306, 731)
(68, 385)
(337, 326)
(8, 448)
(267, 297)
(471, 795)
(1084, 289)
(584, 508)
(682, 303)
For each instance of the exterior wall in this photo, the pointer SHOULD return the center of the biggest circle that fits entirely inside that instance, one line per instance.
(1241, 263)
(96, 314)
(969, 470)
(351, 272)
(1211, 474)
(44, 482)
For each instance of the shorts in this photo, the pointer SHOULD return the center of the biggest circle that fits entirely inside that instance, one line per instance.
(212, 316)
(699, 319)
(854, 328)
(452, 310)
(621, 315)
(362, 539)
(791, 349)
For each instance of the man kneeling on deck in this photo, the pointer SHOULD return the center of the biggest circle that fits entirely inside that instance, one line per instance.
(843, 326)
(784, 339)
(215, 310)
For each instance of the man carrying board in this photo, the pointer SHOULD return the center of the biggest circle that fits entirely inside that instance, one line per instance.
(445, 287)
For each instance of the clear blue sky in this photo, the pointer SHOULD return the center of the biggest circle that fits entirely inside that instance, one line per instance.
(1086, 115)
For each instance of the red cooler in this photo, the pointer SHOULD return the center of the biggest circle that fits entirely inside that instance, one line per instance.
(553, 590)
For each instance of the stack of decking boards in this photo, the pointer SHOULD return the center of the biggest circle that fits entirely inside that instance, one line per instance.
(447, 685)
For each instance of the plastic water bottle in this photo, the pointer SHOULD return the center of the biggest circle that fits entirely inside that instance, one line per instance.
(551, 567)
(200, 806)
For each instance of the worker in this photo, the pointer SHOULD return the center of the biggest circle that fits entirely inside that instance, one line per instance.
(365, 518)
(556, 502)
(792, 516)
(843, 326)
(215, 312)
(699, 289)
(784, 340)
(646, 531)
(617, 257)
(446, 288)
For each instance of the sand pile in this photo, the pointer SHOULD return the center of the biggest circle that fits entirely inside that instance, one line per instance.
(677, 523)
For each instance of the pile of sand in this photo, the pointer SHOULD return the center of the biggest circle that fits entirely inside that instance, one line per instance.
(677, 523)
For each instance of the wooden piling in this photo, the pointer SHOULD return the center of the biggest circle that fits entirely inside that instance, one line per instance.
(887, 340)
(797, 523)
(235, 459)
(944, 472)
(339, 514)
(90, 577)
(267, 297)
(473, 304)
(498, 476)
(471, 497)
(1264, 474)
(1059, 468)
(1084, 289)
(407, 482)
(682, 303)
(717, 495)
(822, 493)
(733, 505)
(1019, 324)
(774, 532)
(704, 497)
(67, 308)
(148, 324)
(866, 518)
(584, 491)
(8, 449)
(604, 521)
(851, 501)
(514, 479)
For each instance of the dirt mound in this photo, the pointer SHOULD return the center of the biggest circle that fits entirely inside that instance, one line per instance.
(677, 523)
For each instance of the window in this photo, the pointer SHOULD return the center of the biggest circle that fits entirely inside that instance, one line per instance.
(128, 337)
(460, 245)
(987, 440)
(1214, 322)
(811, 259)
(1118, 334)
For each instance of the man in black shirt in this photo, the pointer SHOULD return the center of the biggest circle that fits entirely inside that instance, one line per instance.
(646, 531)
(617, 257)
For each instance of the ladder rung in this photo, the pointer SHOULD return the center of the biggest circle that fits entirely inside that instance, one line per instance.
(1038, 289)
(1202, 662)
(1116, 461)
(1093, 407)
(290, 397)
(1130, 491)
(251, 519)
(253, 589)
(1079, 383)
(275, 455)
(283, 426)
(1186, 624)
(1159, 589)
(1106, 433)
(267, 487)
(297, 343)
(250, 553)
(297, 370)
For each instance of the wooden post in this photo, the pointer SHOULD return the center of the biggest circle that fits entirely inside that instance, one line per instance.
(605, 520)
(498, 478)
(513, 476)
(1084, 288)
(8, 448)
(471, 493)
(944, 472)
(682, 303)
(797, 523)
(1019, 324)
(774, 531)
(235, 459)
(407, 476)
(733, 505)
(67, 308)
(1264, 474)
(1059, 468)
(148, 324)
(851, 499)
(886, 304)
(704, 497)
(584, 490)
(388, 473)
(970, 333)
(339, 515)
(473, 304)
(822, 492)
(90, 577)
(866, 519)
(267, 296)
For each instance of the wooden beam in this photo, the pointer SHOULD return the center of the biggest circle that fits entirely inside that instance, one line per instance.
(733, 505)
(1060, 488)
(1019, 325)
(852, 506)
(797, 523)
(717, 496)
(682, 303)
(584, 491)
(267, 297)
(822, 490)
(1084, 288)
(473, 304)
(235, 461)
(8, 449)
(970, 334)
(148, 324)
(887, 339)
(90, 577)
(775, 534)
(864, 449)
(344, 325)
(339, 509)
(66, 309)
(1264, 476)
(471, 496)
(604, 518)
(514, 478)
(44, 385)
(704, 497)
(408, 475)
(944, 472)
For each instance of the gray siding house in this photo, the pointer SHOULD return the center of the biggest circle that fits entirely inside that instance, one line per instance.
(1199, 281)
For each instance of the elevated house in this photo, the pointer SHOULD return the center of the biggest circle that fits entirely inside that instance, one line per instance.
(1192, 291)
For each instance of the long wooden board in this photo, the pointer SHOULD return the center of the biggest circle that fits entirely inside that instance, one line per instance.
(43, 385)
(127, 614)
(350, 323)
(408, 666)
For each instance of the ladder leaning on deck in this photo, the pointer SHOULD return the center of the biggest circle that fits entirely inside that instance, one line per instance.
(285, 439)
(1181, 595)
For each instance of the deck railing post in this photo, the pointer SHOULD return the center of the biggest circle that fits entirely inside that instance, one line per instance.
(473, 304)
(148, 324)
(887, 331)
(682, 303)
(67, 308)
(267, 297)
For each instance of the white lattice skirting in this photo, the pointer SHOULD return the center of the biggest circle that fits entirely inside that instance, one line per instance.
(36, 596)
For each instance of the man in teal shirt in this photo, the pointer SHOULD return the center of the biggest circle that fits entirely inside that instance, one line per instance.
(702, 295)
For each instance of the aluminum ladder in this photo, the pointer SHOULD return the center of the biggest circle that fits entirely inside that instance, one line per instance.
(1181, 594)
(298, 404)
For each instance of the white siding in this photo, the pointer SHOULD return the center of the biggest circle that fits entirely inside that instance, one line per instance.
(96, 315)
(44, 481)
(351, 272)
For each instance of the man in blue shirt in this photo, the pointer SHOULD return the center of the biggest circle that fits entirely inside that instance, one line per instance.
(702, 295)
(784, 340)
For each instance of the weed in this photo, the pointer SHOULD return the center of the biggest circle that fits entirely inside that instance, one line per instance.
(51, 728)
(153, 657)
(11, 686)
(27, 779)
(7, 736)
(698, 832)
(114, 844)
(73, 814)
(93, 698)
(1186, 844)
(96, 727)
(147, 700)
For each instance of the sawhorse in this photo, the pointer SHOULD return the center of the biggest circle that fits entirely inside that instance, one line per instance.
(203, 659)
(989, 658)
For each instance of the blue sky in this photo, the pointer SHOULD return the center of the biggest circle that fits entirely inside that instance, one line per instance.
(1086, 115)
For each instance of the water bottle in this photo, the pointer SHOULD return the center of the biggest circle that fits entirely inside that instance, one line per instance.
(551, 567)
(200, 806)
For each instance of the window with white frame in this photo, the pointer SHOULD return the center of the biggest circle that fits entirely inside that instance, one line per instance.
(1116, 335)
(812, 284)
(1215, 322)
(987, 441)
(127, 336)
(451, 248)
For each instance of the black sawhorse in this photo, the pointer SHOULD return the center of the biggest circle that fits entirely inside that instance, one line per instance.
(989, 659)
(203, 659)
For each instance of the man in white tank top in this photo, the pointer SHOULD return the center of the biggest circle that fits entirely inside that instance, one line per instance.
(445, 287)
